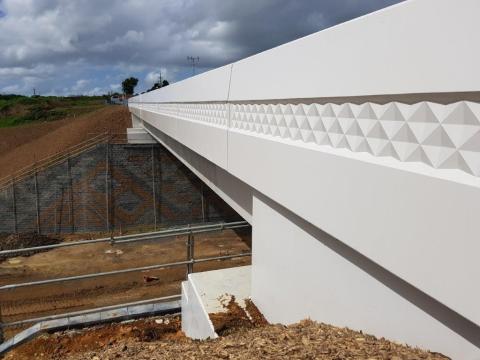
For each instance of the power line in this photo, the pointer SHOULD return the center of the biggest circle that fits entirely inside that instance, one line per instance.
(193, 60)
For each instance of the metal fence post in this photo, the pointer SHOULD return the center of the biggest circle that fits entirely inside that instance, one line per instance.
(107, 187)
(70, 181)
(2, 337)
(56, 209)
(14, 203)
(203, 202)
(154, 192)
(190, 253)
(37, 201)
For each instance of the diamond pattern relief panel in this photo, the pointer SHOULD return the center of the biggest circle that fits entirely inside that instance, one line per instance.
(212, 113)
(166, 109)
(441, 136)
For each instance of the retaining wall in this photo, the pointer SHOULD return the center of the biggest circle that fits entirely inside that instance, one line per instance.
(110, 187)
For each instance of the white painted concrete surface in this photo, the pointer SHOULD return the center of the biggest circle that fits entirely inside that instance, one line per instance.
(296, 275)
(139, 136)
(195, 321)
(355, 197)
(405, 229)
(207, 293)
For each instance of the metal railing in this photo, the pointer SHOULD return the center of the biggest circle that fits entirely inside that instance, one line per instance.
(60, 206)
(91, 311)
(136, 237)
(52, 160)
(60, 157)
(190, 231)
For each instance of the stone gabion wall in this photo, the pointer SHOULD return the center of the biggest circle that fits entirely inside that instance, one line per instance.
(110, 187)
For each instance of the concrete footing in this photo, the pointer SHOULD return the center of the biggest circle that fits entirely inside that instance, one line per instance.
(206, 293)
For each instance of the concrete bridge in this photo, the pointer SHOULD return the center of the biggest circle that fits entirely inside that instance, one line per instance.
(355, 155)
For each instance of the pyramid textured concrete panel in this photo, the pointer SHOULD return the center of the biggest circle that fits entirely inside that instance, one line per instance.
(440, 136)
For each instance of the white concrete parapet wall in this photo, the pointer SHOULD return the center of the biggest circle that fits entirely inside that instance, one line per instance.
(370, 143)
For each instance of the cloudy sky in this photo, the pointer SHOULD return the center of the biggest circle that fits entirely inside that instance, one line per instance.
(63, 47)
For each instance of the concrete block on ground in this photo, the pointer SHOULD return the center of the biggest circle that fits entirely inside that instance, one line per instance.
(140, 309)
(207, 292)
(113, 314)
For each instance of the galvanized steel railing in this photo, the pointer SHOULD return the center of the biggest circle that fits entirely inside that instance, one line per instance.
(189, 262)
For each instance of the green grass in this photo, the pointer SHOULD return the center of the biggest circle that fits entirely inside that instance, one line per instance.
(18, 110)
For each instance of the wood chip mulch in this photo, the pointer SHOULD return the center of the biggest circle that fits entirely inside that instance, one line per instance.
(242, 336)
(305, 340)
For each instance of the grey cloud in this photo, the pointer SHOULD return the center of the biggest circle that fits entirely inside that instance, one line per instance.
(79, 37)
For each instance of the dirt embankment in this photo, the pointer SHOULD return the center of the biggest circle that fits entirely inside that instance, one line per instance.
(23, 241)
(21, 146)
(41, 300)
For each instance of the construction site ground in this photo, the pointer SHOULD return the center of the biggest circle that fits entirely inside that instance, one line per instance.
(22, 146)
(41, 300)
(161, 338)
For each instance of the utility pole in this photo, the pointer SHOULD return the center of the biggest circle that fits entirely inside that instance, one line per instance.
(193, 60)
(160, 78)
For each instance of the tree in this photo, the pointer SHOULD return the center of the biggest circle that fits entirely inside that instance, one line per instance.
(128, 85)
(159, 85)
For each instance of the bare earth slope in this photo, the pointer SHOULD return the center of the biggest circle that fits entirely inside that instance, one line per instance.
(148, 340)
(20, 146)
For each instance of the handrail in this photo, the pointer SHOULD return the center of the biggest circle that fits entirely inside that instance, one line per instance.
(57, 158)
(91, 311)
(136, 237)
(191, 260)
(123, 271)
(45, 161)
(95, 140)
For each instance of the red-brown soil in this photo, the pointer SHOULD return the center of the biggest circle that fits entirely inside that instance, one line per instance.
(147, 339)
(61, 345)
(235, 317)
(21, 146)
(25, 240)
(30, 302)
